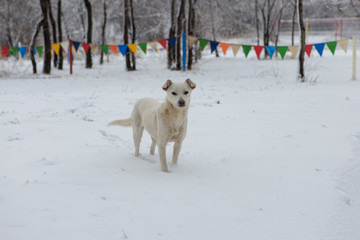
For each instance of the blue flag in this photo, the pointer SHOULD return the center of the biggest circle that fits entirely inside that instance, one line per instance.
(270, 50)
(76, 45)
(123, 49)
(22, 51)
(213, 45)
(172, 42)
(320, 48)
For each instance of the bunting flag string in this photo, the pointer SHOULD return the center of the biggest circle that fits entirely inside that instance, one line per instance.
(6, 51)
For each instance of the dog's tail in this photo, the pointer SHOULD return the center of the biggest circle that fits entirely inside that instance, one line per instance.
(121, 122)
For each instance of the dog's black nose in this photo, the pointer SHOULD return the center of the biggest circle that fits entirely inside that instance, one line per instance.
(181, 103)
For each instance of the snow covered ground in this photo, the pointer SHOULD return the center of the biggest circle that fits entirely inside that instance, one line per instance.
(266, 157)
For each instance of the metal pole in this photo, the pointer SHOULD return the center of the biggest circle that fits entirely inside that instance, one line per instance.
(184, 51)
(70, 55)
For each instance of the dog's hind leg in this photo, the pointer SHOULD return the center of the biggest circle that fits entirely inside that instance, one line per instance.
(153, 144)
(137, 134)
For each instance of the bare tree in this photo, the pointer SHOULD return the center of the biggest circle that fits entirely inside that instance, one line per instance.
(59, 24)
(46, 32)
(181, 21)
(32, 44)
(103, 32)
(170, 50)
(301, 75)
(293, 22)
(53, 26)
(89, 33)
(348, 8)
(191, 31)
(129, 57)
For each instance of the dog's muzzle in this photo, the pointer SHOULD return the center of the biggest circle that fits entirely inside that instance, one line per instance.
(181, 103)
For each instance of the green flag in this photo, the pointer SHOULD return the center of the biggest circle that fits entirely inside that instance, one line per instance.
(143, 46)
(14, 50)
(282, 50)
(105, 48)
(246, 49)
(39, 50)
(203, 43)
(332, 46)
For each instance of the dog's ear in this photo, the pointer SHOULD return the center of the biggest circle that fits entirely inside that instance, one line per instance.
(190, 83)
(167, 84)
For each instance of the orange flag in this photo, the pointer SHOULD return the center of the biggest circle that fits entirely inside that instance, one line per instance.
(224, 47)
(114, 48)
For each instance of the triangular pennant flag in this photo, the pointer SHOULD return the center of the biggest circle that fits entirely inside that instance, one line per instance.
(14, 51)
(246, 49)
(86, 47)
(22, 51)
(319, 48)
(213, 45)
(224, 47)
(172, 42)
(153, 45)
(293, 50)
(133, 47)
(65, 45)
(5, 51)
(34, 52)
(39, 50)
(104, 48)
(344, 44)
(308, 49)
(114, 48)
(332, 46)
(282, 50)
(191, 40)
(123, 48)
(270, 50)
(56, 47)
(163, 43)
(76, 45)
(94, 48)
(258, 50)
(143, 47)
(235, 48)
(203, 43)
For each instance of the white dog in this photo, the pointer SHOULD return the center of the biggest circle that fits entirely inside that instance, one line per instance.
(165, 122)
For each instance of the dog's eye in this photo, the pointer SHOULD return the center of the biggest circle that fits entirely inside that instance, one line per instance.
(186, 92)
(174, 93)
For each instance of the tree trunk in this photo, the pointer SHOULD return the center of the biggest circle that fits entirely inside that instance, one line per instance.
(257, 22)
(8, 29)
(47, 42)
(180, 29)
(213, 26)
(53, 26)
(61, 58)
(293, 23)
(103, 33)
(126, 34)
(133, 34)
(170, 50)
(89, 33)
(301, 75)
(32, 44)
(191, 31)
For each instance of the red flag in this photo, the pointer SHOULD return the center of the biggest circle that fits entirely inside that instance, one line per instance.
(86, 47)
(114, 48)
(163, 43)
(5, 51)
(258, 50)
(308, 49)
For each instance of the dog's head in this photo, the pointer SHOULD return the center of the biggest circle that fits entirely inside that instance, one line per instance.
(179, 93)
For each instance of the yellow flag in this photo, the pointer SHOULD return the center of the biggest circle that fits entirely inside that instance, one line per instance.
(293, 50)
(133, 47)
(153, 45)
(191, 40)
(56, 47)
(344, 44)
(235, 48)
(94, 48)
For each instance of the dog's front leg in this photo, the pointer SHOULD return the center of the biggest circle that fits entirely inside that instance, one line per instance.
(176, 152)
(162, 155)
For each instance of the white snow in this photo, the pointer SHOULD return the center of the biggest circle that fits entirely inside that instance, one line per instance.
(266, 157)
